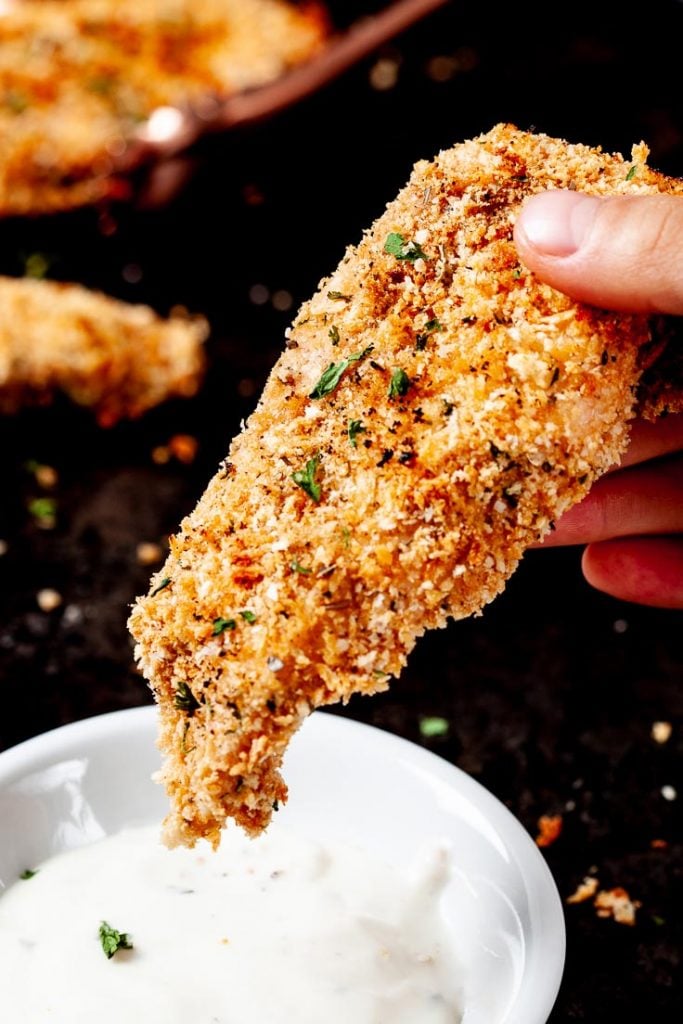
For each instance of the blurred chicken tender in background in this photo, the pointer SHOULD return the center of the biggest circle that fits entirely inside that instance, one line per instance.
(80, 79)
(116, 358)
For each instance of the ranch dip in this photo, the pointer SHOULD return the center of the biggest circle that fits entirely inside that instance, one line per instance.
(278, 930)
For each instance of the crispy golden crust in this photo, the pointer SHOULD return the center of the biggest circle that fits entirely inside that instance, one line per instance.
(477, 404)
(79, 79)
(116, 358)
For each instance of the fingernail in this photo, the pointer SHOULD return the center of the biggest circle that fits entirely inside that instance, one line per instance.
(557, 223)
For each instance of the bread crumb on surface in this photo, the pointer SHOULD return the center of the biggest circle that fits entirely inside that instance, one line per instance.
(48, 599)
(661, 731)
(617, 904)
(585, 891)
(549, 829)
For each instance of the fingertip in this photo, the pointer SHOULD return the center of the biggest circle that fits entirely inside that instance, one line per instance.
(555, 224)
(646, 570)
(620, 252)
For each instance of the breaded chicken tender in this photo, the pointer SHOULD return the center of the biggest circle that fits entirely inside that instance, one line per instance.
(80, 79)
(116, 358)
(435, 410)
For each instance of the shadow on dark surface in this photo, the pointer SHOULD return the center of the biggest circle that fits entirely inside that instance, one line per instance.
(551, 695)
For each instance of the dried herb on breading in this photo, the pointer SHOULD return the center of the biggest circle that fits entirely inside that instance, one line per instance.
(334, 372)
(164, 583)
(399, 384)
(355, 427)
(220, 625)
(305, 478)
(184, 699)
(396, 245)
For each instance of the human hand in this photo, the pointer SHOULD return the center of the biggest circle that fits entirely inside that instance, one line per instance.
(623, 253)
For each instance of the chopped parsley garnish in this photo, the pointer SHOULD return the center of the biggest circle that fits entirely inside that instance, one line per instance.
(355, 427)
(248, 616)
(305, 478)
(334, 372)
(399, 384)
(632, 172)
(36, 265)
(220, 625)
(101, 84)
(113, 940)
(517, 273)
(396, 245)
(297, 567)
(346, 536)
(26, 874)
(338, 295)
(430, 327)
(42, 508)
(15, 101)
(184, 699)
(164, 583)
(333, 334)
(433, 727)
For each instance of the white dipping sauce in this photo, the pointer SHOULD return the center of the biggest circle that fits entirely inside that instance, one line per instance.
(278, 930)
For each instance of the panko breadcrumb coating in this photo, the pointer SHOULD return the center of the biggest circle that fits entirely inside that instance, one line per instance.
(116, 358)
(436, 409)
(79, 79)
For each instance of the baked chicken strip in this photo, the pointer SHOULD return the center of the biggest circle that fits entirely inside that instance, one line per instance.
(435, 410)
(116, 358)
(80, 80)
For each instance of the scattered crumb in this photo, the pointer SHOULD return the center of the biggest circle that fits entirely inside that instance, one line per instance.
(246, 387)
(668, 792)
(282, 300)
(661, 731)
(549, 829)
(48, 599)
(659, 844)
(444, 67)
(4, 547)
(620, 626)
(259, 294)
(183, 447)
(148, 553)
(384, 74)
(618, 904)
(161, 455)
(585, 891)
(132, 273)
(252, 195)
(45, 476)
(72, 616)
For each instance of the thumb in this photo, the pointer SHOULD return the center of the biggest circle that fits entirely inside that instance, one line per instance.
(616, 252)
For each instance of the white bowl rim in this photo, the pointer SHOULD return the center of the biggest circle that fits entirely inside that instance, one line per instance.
(543, 968)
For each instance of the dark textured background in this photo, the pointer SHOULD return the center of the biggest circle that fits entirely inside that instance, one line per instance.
(551, 695)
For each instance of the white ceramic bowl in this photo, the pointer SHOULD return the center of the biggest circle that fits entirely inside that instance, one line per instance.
(347, 781)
